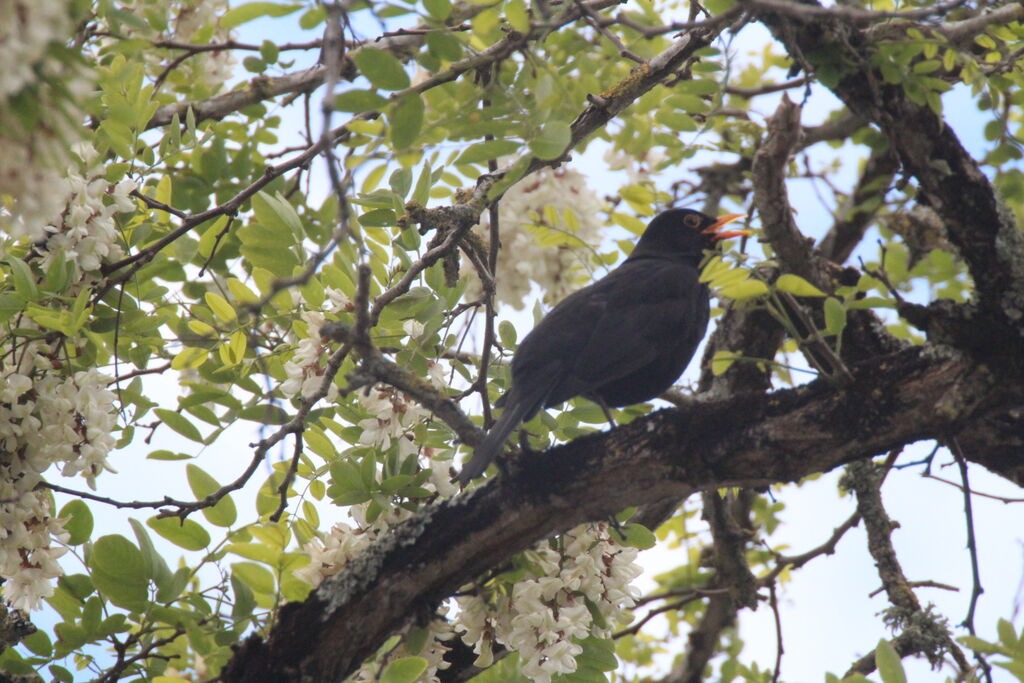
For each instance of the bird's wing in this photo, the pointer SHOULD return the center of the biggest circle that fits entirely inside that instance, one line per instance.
(649, 308)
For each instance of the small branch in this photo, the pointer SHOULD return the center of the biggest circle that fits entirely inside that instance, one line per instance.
(154, 204)
(289, 477)
(772, 199)
(377, 368)
(138, 373)
(783, 562)
(852, 15)
(779, 650)
(592, 19)
(765, 89)
(688, 597)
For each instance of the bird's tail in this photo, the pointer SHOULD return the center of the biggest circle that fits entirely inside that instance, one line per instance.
(491, 446)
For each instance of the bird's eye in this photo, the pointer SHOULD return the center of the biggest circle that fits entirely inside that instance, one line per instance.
(691, 221)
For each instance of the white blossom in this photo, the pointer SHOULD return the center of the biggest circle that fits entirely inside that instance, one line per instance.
(393, 416)
(413, 328)
(305, 370)
(328, 557)
(523, 261)
(85, 234)
(27, 29)
(548, 611)
(46, 419)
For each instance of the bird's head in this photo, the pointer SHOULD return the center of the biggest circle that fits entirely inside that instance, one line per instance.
(685, 232)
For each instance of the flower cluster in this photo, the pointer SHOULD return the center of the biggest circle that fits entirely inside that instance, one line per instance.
(85, 234)
(394, 417)
(551, 608)
(45, 419)
(329, 556)
(39, 117)
(527, 257)
(305, 370)
(27, 30)
(190, 22)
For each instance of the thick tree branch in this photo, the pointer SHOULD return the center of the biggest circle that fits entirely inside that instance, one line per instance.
(951, 182)
(750, 440)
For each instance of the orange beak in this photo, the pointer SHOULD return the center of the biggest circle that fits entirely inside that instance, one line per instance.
(715, 228)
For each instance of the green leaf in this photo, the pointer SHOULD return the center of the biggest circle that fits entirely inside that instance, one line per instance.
(269, 51)
(1007, 634)
(39, 643)
(796, 285)
(179, 423)
(553, 140)
(24, 280)
(404, 670)
(183, 533)
(202, 485)
(979, 645)
(254, 10)
(507, 334)
(156, 566)
(258, 578)
(517, 15)
(438, 9)
(421, 193)
(119, 571)
(637, 536)
(444, 45)
(406, 120)
(381, 68)
(890, 668)
(722, 361)
(79, 521)
(835, 316)
(312, 18)
(484, 151)
(220, 306)
(360, 100)
(747, 289)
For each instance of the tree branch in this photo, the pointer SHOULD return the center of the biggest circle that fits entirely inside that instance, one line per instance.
(741, 441)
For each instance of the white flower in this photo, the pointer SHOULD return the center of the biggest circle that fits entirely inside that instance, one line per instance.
(340, 302)
(548, 609)
(413, 328)
(441, 478)
(305, 370)
(523, 261)
(27, 28)
(328, 557)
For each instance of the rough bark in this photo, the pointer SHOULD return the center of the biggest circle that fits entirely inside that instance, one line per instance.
(755, 440)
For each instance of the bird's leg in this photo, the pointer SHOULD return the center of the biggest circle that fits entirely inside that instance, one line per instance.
(606, 410)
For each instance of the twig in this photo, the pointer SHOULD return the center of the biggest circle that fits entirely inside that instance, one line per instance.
(689, 597)
(138, 373)
(289, 477)
(783, 562)
(972, 545)
(920, 584)
(612, 38)
(779, 649)
(765, 89)
(990, 496)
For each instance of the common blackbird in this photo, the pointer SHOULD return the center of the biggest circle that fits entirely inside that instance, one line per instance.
(622, 340)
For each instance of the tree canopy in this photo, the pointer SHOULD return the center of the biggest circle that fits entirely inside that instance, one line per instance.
(276, 249)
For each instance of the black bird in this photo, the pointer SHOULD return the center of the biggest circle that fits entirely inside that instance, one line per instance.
(622, 340)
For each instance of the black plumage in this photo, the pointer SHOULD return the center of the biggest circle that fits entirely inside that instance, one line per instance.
(624, 339)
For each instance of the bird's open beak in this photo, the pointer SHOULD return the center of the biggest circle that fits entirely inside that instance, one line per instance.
(715, 228)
